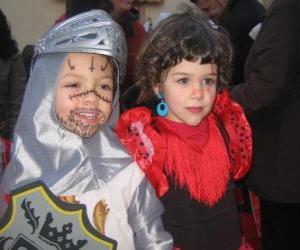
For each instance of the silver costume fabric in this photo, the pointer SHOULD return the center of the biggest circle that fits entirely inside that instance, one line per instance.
(43, 149)
(147, 227)
(69, 164)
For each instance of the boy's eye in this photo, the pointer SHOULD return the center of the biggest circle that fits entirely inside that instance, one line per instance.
(106, 87)
(72, 85)
(208, 81)
(183, 81)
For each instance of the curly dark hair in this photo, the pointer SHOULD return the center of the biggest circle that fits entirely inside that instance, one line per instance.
(8, 46)
(189, 35)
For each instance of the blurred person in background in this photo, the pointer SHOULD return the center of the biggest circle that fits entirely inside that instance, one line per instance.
(128, 17)
(12, 78)
(270, 97)
(238, 17)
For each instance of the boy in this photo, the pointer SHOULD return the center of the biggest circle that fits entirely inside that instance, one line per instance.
(64, 138)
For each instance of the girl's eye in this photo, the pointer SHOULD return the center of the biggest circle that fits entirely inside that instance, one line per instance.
(183, 81)
(208, 81)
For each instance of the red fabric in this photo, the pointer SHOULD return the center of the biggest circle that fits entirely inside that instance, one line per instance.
(197, 158)
(7, 198)
(136, 143)
(6, 146)
(202, 168)
(239, 131)
(134, 43)
(196, 136)
(6, 151)
(61, 18)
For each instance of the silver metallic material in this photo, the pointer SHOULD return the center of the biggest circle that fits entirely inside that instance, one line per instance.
(88, 32)
(148, 228)
(43, 149)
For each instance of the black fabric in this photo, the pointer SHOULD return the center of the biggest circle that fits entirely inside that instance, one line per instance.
(271, 100)
(127, 25)
(12, 88)
(280, 225)
(239, 18)
(195, 226)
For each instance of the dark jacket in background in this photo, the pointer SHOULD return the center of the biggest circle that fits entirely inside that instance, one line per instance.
(239, 18)
(271, 99)
(12, 86)
(135, 35)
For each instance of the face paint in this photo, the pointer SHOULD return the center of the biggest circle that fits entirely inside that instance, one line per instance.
(84, 93)
(104, 68)
(72, 67)
(92, 65)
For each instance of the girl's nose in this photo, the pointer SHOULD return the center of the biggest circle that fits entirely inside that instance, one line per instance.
(198, 91)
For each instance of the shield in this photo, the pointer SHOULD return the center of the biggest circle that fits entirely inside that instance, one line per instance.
(36, 219)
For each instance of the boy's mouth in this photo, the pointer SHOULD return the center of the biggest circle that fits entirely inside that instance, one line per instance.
(90, 116)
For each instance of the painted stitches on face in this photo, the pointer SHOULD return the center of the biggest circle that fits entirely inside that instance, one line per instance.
(77, 126)
(87, 92)
(84, 93)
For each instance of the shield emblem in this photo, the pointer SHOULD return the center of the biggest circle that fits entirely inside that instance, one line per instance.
(36, 219)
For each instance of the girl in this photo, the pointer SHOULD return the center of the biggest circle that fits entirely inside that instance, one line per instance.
(64, 139)
(198, 139)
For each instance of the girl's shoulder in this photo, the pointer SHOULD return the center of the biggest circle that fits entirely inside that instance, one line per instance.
(236, 132)
(138, 133)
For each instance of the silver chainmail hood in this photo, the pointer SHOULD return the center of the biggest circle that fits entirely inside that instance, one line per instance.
(43, 149)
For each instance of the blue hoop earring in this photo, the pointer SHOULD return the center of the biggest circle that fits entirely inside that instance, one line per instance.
(162, 108)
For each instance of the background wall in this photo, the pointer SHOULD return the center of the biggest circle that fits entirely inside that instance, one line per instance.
(29, 19)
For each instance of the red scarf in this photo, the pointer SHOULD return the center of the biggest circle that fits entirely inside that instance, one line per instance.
(196, 158)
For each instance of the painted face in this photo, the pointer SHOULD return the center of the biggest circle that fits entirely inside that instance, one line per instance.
(84, 93)
(189, 89)
(122, 6)
(213, 8)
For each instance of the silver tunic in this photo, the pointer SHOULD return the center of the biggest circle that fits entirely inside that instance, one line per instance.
(43, 149)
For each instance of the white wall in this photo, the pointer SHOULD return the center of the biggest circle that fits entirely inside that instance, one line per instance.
(29, 19)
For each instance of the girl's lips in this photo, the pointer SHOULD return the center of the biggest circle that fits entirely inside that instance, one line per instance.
(195, 109)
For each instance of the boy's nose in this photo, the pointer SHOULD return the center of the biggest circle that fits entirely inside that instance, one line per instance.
(90, 97)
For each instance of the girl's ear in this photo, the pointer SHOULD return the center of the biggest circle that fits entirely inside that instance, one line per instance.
(156, 89)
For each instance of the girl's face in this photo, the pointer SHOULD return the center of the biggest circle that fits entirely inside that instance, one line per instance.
(84, 93)
(189, 89)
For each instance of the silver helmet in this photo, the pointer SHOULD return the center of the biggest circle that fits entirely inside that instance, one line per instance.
(90, 32)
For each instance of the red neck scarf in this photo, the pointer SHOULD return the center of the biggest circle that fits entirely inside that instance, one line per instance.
(196, 158)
